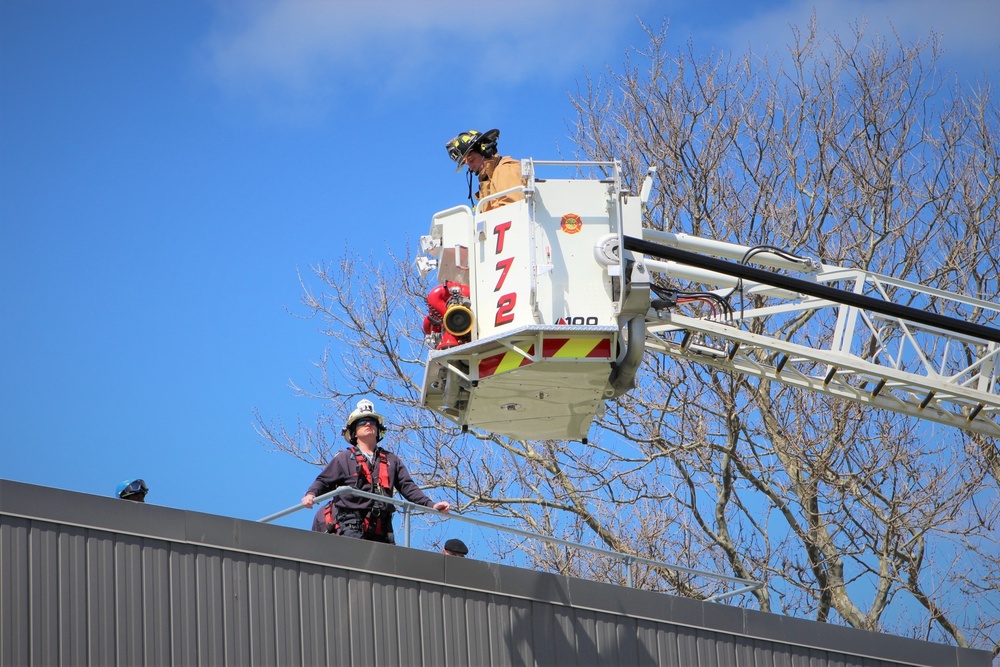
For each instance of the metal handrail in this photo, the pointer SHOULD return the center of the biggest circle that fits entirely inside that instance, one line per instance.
(407, 506)
(497, 195)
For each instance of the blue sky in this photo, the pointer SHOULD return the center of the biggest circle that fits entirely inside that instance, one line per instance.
(166, 168)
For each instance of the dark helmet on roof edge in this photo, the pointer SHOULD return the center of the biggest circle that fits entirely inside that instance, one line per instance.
(132, 489)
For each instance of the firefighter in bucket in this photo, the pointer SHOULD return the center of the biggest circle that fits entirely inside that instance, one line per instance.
(496, 173)
(366, 466)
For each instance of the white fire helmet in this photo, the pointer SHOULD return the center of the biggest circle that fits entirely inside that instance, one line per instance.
(364, 409)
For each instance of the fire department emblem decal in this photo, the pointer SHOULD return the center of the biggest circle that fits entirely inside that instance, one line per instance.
(571, 223)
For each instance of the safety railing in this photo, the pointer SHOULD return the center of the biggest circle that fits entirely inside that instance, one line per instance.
(407, 508)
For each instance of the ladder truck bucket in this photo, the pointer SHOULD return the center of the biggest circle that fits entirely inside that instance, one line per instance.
(539, 315)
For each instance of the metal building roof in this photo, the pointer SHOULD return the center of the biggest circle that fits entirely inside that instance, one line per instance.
(88, 580)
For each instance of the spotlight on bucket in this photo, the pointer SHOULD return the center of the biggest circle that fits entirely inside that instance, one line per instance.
(458, 320)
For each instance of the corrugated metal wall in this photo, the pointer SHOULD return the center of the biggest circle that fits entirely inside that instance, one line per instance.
(96, 581)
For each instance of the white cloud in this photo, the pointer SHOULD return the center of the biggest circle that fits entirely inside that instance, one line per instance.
(313, 47)
(968, 29)
(304, 56)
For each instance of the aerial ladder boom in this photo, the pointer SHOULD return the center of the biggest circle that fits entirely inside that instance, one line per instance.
(547, 305)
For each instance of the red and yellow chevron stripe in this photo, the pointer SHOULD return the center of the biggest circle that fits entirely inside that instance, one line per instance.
(503, 362)
(552, 348)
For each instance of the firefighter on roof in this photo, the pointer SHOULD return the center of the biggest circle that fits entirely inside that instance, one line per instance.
(478, 152)
(365, 466)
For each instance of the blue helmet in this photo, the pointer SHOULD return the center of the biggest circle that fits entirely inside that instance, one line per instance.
(132, 489)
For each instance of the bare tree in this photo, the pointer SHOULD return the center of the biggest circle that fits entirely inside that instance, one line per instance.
(856, 151)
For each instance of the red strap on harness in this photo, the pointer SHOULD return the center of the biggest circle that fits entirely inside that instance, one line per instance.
(383, 472)
(379, 528)
(383, 479)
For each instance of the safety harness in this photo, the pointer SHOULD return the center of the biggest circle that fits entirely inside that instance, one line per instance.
(377, 522)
